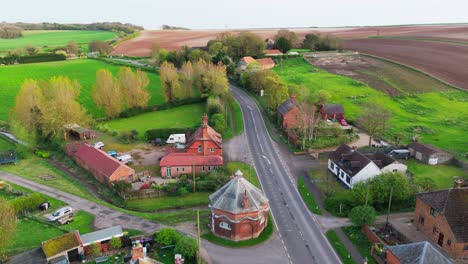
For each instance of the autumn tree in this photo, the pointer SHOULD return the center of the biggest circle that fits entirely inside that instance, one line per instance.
(374, 119)
(169, 81)
(276, 91)
(134, 87)
(7, 225)
(186, 79)
(100, 46)
(73, 48)
(107, 93)
(215, 81)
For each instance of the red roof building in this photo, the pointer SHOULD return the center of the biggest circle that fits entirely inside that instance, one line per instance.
(273, 52)
(104, 167)
(266, 63)
(203, 153)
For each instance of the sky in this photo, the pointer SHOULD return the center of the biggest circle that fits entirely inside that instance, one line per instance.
(219, 14)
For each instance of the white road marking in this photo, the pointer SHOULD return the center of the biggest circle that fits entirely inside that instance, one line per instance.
(266, 159)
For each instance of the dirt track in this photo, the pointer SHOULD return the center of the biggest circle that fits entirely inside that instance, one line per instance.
(446, 61)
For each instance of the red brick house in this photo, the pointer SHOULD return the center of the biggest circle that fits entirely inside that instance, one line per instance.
(203, 153)
(417, 253)
(332, 111)
(443, 216)
(104, 167)
(288, 112)
(239, 210)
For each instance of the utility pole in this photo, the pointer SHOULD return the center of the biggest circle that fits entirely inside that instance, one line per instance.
(193, 175)
(367, 193)
(198, 230)
(389, 203)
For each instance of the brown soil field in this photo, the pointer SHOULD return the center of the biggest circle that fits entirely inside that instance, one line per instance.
(446, 61)
(390, 78)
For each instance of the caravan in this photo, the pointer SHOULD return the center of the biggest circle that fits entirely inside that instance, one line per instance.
(176, 138)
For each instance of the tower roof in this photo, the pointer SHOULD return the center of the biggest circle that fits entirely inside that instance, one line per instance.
(230, 197)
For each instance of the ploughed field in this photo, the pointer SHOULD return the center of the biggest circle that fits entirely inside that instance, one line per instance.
(444, 60)
(12, 77)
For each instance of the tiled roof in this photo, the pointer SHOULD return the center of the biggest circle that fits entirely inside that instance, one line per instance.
(98, 159)
(230, 197)
(273, 52)
(453, 205)
(266, 61)
(103, 234)
(424, 148)
(419, 253)
(332, 109)
(61, 244)
(248, 59)
(211, 133)
(349, 160)
(188, 159)
(287, 105)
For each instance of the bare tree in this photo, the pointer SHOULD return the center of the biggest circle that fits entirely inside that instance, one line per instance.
(373, 119)
(308, 118)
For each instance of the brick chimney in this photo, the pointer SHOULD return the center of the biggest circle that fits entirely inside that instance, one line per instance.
(137, 252)
(293, 98)
(246, 200)
(457, 182)
(205, 126)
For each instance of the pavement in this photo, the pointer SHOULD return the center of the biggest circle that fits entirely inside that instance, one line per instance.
(298, 229)
(403, 224)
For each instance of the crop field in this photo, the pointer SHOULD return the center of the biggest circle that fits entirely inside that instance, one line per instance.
(391, 78)
(444, 60)
(54, 38)
(186, 116)
(12, 77)
(439, 118)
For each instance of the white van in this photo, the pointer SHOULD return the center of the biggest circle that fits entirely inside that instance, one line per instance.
(125, 159)
(60, 213)
(98, 145)
(400, 153)
(176, 138)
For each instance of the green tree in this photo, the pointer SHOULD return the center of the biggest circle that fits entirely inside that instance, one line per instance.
(310, 40)
(283, 44)
(187, 246)
(361, 215)
(218, 122)
(276, 91)
(7, 225)
(169, 81)
(374, 119)
(94, 249)
(167, 236)
(122, 187)
(134, 87)
(425, 184)
(116, 243)
(290, 36)
(186, 79)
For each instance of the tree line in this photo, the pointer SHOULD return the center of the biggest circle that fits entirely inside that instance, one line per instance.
(10, 31)
(105, 26)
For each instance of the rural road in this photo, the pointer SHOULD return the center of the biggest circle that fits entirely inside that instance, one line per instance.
(298, 228)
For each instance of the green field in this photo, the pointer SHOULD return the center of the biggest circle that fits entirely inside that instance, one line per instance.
(441, 174)
(439, 118)
(186, 116)
(54, 38)
(12, 77)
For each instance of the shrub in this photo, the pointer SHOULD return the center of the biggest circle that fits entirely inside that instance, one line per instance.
(27, 203)
(42, 154)
(214, 106)
(187, 246)
(167, 236)
(218, 122)
(361, 215)
(116, 243)
(182, 191)
(94, 250)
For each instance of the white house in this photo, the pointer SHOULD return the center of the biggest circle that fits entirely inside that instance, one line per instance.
(351, 167)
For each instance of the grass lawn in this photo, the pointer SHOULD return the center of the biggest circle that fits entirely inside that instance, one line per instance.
(168, 202)
(438, 117)
(339, 247)
(238, 117)
(12, 77)
(360, 241)
(307, 197)
(186, 116)
(54, 38)
(6, 144)
(82, 221)
(248, 172)
(441, 174)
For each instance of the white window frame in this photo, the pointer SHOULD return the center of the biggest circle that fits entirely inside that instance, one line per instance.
(225, 225)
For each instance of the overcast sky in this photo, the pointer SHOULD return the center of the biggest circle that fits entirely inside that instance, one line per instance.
(221, 14)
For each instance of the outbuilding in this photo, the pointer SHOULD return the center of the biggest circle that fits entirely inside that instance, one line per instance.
(429, 154)
(63, 249)
(332, 111)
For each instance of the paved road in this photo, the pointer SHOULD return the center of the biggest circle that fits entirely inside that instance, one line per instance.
(298, 228)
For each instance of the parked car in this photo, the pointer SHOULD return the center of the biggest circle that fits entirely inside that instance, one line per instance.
(179, 145)
(125, 159)
(399, 153)
(112, 153)
(157, 142)
(60, 213)
(176, 138)
(98, 145)
(65, 219)
(343, 122)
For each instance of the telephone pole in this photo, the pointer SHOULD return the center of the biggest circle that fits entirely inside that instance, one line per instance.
(389, 203)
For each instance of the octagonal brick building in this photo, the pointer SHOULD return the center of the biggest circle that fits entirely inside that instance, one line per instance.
(239, 210)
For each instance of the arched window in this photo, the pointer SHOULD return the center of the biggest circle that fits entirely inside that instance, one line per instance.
(225, 225)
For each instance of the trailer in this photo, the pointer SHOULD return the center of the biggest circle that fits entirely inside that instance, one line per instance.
(8, 156)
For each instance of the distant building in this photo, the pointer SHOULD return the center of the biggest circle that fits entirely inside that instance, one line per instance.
(415, 253)
(104, 167)
(239, 210)
(272, 52)
(202, 154)
(244, 62)
(351, 166)
(429, 154)
(443, 216)
(332, 111)
(266, 63)
(288, 112)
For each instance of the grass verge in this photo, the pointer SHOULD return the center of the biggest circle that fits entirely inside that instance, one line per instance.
(238, 117)
(441, 174)
(168, 202)
(339, 247)
(308, 197)
(360, 241)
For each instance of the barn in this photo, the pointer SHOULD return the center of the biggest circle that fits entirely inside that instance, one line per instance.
(429, 154)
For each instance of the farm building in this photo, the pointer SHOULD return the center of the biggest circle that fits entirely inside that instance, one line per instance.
(351, 166)
(203, 153)
(77, 132)
(272, 52)
(101, 237)
(66, 248)
(244, 62)
(239, 210)
(104, 167)
(288, 112)
(266, 63)
(332, 111)
(429, 154)
(420, 253)
(442, 215)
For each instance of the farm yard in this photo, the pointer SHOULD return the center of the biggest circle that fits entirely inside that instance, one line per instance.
(82, 70)
(437, 117)
(54, 38)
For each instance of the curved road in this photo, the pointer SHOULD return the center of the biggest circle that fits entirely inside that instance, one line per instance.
(297, 227)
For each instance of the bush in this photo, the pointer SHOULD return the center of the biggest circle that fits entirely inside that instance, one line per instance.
(27, 203)
(32, 58)
(361, 215)
(187, 246)
(218, 122)
(116, 243)
(167, 236)
(42, 154)
(182, 191)
(214, 106)
(94, 250)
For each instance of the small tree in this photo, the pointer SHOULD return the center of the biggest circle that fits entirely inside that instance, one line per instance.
(7, 225)
(373, 119)
(122, 187)
(187, 246)
(168, 236)
(361, 215)
(116, 243)
(94, 250)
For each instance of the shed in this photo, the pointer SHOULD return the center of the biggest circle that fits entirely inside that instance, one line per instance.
(429, 154)
(68, 246)
(332, 111)
(75, 131)
(101, 237)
